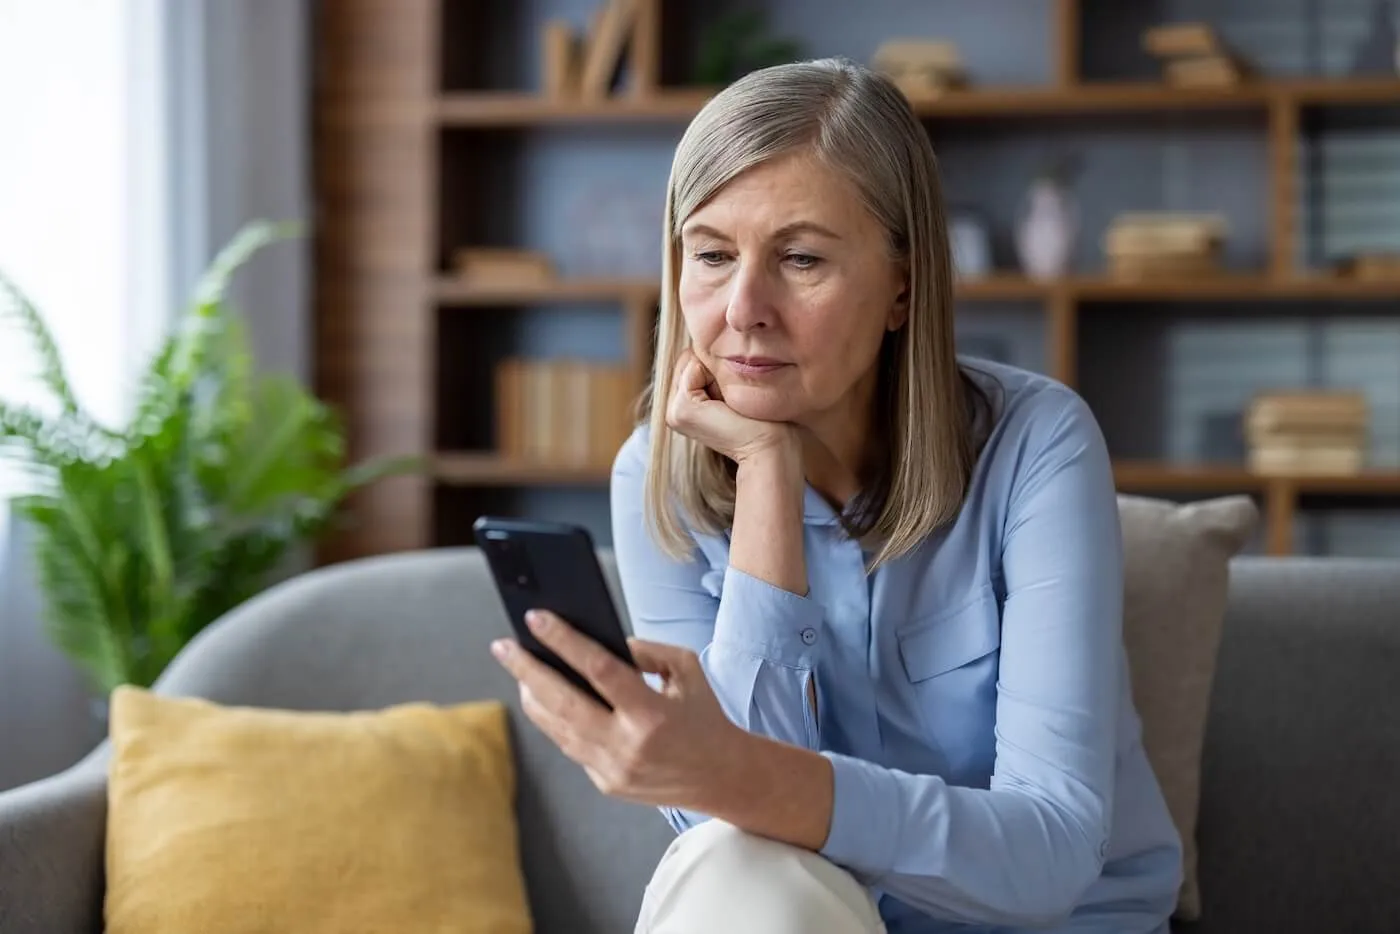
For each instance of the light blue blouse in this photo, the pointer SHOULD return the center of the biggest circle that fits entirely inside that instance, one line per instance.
(972, 697)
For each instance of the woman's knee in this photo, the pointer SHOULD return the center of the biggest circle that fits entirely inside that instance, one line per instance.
(715, 877)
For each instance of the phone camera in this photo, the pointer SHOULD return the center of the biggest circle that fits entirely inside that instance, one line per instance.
(514, 566)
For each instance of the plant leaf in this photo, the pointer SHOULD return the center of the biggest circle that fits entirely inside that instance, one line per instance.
(213, 284)
(14, 304)
(76, 604)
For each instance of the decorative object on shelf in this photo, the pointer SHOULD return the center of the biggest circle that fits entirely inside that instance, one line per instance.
(588, 66)
(495, 267)
(736, 43)
(971, 243)
(1307, 432)
(1378, 54)
(563, 412)
(1141, 245)
(1371, 266)
(922, 68)
(1049, 222)
(1194, 55)
(561, 54)
(147, 533)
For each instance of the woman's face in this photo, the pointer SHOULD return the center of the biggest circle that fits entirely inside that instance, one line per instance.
(787, 287)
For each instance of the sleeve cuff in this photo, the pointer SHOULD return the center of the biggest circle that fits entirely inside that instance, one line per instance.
(865, 817)
(778, 625)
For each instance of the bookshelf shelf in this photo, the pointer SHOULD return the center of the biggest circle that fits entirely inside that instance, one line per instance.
(1147, 476)
(488, 109)
(488, 469)
(515, 109)
(998, 287)
(450, 292)
(1232, 287)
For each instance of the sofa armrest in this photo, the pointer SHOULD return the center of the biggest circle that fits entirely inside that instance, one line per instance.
(52, 838)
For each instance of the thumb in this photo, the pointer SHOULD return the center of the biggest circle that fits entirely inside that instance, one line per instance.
(668, 661)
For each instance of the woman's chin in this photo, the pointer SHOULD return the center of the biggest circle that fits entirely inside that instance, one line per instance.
(760, 404)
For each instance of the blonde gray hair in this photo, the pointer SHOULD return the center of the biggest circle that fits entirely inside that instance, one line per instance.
(857, 122)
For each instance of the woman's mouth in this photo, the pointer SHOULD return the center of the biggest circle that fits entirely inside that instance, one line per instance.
(755, 366)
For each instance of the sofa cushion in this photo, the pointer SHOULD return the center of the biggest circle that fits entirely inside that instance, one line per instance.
(241, 819)
(1176, 586)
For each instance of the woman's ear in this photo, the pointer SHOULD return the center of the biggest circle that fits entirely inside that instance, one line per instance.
(899, 309)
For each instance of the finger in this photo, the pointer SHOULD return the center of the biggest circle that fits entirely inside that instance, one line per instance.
(700, 383)
(659, 658)
(551, 690)
(614, 679)
(556, 728)
(693, 378)
(693, 402)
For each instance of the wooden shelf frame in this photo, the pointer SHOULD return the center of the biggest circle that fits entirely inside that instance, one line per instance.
(999, 287)
(381, 117)
(506, 109)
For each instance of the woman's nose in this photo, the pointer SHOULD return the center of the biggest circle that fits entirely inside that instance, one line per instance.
(750, 299)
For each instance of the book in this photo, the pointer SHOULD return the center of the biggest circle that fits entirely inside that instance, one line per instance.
(562, 412)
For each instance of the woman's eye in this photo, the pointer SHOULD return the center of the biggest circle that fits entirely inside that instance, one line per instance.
(803, 260)
(710, 257)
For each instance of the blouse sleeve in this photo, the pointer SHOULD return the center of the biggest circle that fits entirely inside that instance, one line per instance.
(758, 643)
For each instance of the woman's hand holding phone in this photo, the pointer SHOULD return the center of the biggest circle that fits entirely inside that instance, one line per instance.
(672, 747)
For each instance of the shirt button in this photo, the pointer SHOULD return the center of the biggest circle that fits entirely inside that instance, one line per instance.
(809, 636)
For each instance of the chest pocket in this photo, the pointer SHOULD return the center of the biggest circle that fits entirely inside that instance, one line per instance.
(951, 660)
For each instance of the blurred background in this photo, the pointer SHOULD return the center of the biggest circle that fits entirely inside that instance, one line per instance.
(1188, 211)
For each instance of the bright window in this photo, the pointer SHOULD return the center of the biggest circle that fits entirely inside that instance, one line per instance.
(82, 192)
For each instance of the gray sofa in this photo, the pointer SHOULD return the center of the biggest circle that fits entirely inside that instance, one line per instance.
(1300, 814)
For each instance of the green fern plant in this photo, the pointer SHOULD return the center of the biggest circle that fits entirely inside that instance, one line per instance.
(144, 535)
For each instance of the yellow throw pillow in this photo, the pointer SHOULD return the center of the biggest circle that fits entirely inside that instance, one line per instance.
(234, 820)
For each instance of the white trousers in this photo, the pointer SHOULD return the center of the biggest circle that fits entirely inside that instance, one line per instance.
(717, 879)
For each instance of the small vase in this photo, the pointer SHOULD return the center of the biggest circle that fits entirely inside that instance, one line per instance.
(1046, 233)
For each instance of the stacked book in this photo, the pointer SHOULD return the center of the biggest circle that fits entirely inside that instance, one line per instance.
(564, 412)
(1194, 56)
(1309, 433)
(1371, 266)
(500, 267)
(921, 68)
(1143, 245)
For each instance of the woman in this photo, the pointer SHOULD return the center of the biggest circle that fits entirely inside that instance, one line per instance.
(878, 589)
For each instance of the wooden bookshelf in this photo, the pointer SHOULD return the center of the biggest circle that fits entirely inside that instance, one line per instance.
(401, 84)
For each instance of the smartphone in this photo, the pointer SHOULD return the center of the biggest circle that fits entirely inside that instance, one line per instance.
(540, 565)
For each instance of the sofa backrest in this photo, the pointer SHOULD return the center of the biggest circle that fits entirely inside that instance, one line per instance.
(1299, 824)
